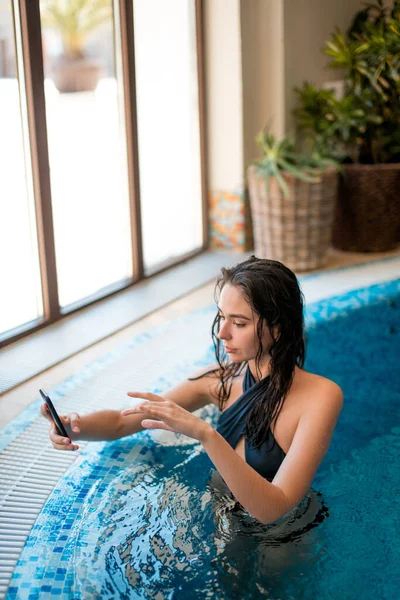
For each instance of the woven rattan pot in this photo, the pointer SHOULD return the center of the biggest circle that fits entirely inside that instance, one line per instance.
(367, 217)
(296, 231)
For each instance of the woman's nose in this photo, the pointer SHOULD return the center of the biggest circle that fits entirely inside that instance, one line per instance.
(224, 332)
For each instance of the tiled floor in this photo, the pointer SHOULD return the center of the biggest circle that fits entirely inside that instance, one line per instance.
(13, 402)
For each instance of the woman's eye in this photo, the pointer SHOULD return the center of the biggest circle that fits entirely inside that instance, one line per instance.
(239, 324)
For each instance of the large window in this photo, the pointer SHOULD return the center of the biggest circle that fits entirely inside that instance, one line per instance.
(21, 297)
(168, 124)
(87, 149)
(100, 137)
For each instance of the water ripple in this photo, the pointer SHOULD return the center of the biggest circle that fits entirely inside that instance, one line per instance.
(154, 534)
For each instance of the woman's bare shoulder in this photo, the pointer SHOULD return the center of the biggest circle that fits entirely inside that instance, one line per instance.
(315, 387)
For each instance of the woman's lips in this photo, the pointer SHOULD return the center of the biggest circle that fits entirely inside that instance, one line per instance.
(229, 350)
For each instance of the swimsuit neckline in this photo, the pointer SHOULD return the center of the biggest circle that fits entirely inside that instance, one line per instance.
(248, 374)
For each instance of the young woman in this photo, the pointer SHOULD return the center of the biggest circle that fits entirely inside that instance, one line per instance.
(276, 420)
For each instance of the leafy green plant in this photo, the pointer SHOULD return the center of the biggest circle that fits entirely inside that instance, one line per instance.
(75, 20)
(364, 126)
(280, 156)
(337, 125)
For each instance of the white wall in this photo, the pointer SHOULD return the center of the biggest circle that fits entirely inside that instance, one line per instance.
(256, 51)
(281, 47)
(307, 25)
(262, 70)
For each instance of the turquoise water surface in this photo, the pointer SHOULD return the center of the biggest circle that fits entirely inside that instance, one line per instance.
(149, 517)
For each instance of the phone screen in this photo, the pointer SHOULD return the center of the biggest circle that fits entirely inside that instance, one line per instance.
(57, 421)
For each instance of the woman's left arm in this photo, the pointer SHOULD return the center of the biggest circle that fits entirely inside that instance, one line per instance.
(266, 501)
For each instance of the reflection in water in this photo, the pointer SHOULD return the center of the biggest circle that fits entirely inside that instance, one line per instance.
(173, 528)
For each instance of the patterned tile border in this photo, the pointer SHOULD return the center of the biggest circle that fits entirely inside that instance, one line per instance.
(227, 220)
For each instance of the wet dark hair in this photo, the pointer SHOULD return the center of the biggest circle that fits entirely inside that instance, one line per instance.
(274, 295)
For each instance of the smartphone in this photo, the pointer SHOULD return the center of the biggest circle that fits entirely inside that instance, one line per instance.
(56, 418)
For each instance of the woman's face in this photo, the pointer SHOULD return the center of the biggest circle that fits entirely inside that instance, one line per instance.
(238, 326)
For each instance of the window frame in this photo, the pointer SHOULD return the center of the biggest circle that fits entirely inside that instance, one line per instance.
(26, 15)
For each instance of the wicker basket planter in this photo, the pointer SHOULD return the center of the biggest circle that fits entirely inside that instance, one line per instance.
(296, 231)
(367, 216)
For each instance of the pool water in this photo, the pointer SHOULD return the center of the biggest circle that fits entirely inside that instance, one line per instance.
(149, 517)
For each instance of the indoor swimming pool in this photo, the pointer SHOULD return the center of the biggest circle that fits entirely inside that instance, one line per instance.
(149, 516)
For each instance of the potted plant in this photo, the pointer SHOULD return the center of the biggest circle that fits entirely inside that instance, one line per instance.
(292, 200)
(362, 129)
(75, 20)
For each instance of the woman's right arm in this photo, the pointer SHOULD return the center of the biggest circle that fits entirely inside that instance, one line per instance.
(110, 425)
(96, 426)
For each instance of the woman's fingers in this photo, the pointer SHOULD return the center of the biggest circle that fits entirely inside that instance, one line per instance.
(158, 413)
(146, 396)
(60, 442)
(164, 414)
(75, 422)
(161, 409)
(45, 412)
(144, 407)
(130, 411)
(151, 424)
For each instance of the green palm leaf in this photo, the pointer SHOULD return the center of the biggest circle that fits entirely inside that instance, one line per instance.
(280, 157)
(75, 20)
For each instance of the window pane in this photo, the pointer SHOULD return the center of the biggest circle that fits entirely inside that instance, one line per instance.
(21, 297)
(168, 128)
(87, 147)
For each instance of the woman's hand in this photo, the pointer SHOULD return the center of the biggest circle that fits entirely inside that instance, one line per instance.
(71, 423)
(166, 414)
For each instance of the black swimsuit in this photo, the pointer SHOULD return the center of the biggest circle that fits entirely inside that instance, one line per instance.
(266, 459)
